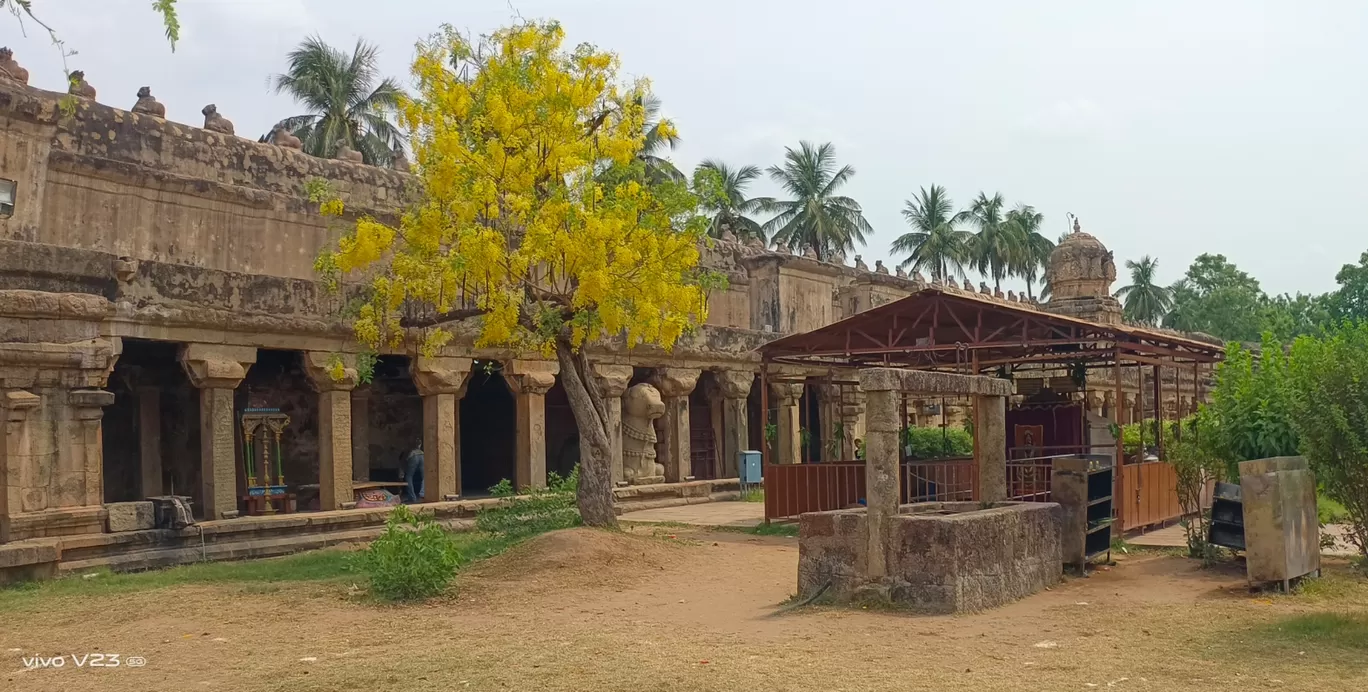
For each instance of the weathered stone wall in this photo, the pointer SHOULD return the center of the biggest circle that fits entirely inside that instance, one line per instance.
(952, 557)
(127, 184)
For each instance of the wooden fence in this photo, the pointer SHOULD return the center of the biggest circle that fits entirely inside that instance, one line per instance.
(1151, 495)
(792, 489)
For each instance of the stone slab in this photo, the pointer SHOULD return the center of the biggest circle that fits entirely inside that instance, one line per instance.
(129, 516)
(925, 382)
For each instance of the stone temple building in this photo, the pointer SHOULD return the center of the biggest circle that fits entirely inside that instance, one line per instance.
(156, 282)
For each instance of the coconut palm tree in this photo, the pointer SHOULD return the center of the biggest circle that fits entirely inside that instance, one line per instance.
(660, 137)
(729, 205)
(994, 249)
(1146, 302)
(816, 217)
(348, 102)
(1033, 248)
(935, 245)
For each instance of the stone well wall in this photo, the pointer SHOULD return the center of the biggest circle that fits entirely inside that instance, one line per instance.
(950, 557)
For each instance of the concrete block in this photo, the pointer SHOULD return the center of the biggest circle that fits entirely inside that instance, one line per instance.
(130, 516)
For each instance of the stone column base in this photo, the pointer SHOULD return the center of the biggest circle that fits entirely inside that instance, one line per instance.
(646, 480)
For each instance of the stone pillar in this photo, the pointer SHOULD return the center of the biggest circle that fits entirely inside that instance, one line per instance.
(788, 444)
(149, 441)
(882, 424)
(87, 446)
(990, 430)
(530, 380)
(672, 449)
(828, 416)
(852, 411)
(441, 382)
(16, 455)
(360, 433)
(612, 382)
(334, 385)
(216, 370)
(734, 387)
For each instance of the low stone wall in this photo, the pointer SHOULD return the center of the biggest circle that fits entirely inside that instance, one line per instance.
(950, 557)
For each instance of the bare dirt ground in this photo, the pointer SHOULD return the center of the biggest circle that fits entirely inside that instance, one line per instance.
(588, 610)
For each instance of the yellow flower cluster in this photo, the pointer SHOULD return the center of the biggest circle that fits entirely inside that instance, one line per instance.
(522, 215)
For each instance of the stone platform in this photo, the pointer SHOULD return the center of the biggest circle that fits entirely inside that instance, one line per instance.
(943, 557)
(281, 534)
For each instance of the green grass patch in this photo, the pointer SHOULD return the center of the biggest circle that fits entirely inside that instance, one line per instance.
(753, 494)
(266, 575)
(1330, 630)
(774, 529)
(1330, 512)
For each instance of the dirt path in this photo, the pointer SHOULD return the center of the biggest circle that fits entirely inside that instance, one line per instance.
(584, 610)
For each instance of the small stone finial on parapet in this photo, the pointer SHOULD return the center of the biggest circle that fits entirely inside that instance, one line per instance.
(80, 87)
(917, 276)
(879, 267)
(968, 286)
(983, 288)
(756, 244)
(399, 161)
(214, 122)
(727, 234)
(809, 252)
(997, 292)
(860, 264)
(348, 154)
(9, 69)
(283, 138)
(1011, 296)
(147, 105)
(902, 274)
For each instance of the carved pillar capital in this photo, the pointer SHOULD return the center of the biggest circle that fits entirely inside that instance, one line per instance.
(330, 372)
(612, 380)
(440, 375)
(17, 404)
(787, 392)
(674, 382)
(531, 376)
(734, 384)
(90, 403)
(215, 366)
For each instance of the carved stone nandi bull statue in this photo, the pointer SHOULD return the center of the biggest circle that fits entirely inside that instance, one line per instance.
(641, 406)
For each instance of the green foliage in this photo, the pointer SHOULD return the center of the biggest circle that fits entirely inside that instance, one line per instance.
(1350, 302)
(414, 559)
(937, 443)
(816, 217)
(346, 100)
(935, 245)
(1195, 467)
(534, 511)
(775, 529)
(1250, 414)
(1328, 405)
(1216, 298)
(721, 192)
(1146, 302)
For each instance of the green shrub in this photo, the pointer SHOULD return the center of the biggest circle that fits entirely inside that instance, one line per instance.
(414, 559)
(1329, 411)
(937, 443)
(536, 511)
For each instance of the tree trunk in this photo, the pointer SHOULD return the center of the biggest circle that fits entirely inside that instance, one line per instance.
(1030, 295)
(595, 497)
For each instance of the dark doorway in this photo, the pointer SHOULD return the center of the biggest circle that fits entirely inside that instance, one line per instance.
(395, 412)
(151, 370)
(488, 422)
(703, 447)
(562, 433)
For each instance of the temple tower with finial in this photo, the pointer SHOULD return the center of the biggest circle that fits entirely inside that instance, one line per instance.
(1081, 272)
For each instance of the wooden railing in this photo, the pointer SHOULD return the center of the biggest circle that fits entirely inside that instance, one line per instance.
(792, 489)
(1028, 480)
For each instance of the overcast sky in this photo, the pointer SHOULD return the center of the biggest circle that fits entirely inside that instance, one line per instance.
(1169, 127)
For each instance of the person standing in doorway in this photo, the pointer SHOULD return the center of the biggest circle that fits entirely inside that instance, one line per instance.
(413, 474)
